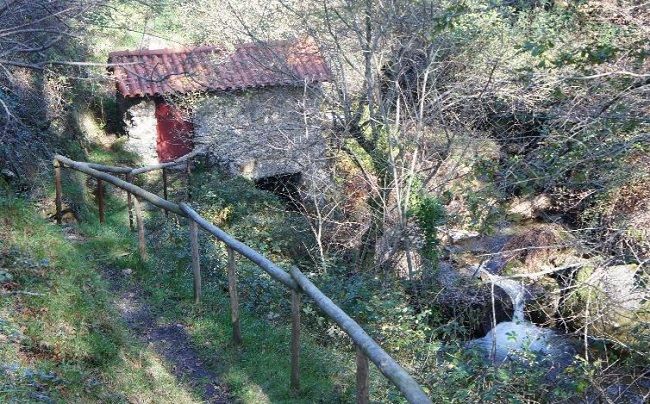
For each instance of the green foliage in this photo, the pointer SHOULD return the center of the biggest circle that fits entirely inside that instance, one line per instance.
(532, 50)
(462, 375)
(258, 218)
(430, 214)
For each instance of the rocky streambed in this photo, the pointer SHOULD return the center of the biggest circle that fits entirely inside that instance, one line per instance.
(544, 301)
(517, 337)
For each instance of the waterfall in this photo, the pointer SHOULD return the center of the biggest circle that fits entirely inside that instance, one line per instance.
(512, 337)
(515, 290)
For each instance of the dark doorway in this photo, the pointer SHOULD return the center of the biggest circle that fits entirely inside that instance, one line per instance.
(174, 132)
(285, 186)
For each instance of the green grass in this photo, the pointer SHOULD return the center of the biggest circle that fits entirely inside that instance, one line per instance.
(73, 333)
(92, 356)
(64, 340)
(259, 370)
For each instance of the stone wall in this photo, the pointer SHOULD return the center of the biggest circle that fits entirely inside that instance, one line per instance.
(255, 133)
(139, 118)
(263, 132)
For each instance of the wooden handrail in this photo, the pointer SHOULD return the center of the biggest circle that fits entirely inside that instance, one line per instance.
(192, 154)
(261, 261)
(144, 169)
(384, 362)
(110, 169)
(294, 280)
(134, 189)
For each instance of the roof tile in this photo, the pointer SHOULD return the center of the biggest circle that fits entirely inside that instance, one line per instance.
(209, 68)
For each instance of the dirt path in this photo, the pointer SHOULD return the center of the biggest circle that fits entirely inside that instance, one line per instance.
(170, 341)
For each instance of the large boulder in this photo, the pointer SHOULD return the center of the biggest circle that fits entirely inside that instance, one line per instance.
(612, 302)
(539, 247)
(544, 303)
(528, 208)
(465, 298)
(622, 216)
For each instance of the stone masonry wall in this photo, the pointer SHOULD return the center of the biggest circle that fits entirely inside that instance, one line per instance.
(255, 133)
(263, 132)
(140, 126)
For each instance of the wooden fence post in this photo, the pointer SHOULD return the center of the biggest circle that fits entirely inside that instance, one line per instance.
(188, 172)
(164, 180)
(295, 340)
(196, 265)
(363, 391)
(141, 241)
(59, 192)
(100, 200)
(129, 202)
(234, 298)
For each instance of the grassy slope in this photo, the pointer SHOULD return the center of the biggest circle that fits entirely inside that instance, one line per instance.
(74, 336)
(65, 343)
(258, 372)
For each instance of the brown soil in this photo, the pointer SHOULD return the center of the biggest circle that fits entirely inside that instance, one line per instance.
(170, 341)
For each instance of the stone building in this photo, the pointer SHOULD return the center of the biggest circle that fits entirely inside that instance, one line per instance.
(255, 108)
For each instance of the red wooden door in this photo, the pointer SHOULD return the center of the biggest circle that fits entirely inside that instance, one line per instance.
(174, 132)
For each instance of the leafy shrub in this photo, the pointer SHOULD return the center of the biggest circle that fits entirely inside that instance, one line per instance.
(430, 214)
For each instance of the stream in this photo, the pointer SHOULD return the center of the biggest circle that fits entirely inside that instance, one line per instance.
(511, 339)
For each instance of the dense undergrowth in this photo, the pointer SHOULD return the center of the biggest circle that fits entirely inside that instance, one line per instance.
(540, 101)
(408, 321)
(62, 349)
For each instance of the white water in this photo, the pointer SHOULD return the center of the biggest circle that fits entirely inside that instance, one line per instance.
(515, 290)
(511, 338)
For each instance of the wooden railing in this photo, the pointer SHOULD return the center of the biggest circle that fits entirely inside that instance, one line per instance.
(294, 280)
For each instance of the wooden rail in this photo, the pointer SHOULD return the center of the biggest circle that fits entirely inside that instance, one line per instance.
(294, 280)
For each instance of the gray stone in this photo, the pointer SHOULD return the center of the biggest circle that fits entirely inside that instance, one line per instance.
(529, 208)
(141, 129)
(8, 174)
(264, 132)
(255, 133)
(613, 299)
(621, 393)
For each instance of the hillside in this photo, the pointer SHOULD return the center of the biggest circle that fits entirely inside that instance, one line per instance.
(474, 193)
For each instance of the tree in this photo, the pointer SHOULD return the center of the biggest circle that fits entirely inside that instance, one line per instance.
(38, 43)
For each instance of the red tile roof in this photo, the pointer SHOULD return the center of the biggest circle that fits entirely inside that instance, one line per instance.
(209, 68)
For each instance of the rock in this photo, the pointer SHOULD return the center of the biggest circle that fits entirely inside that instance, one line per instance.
(494, 265)
(620, 286)
(538, 247)
(529, 208)
(462, 241)
(623, 393)
(5, 276)
(127, 271)
(616, 393)
(544, 303)
(457, 235)
(462, 294)
(613, 300)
